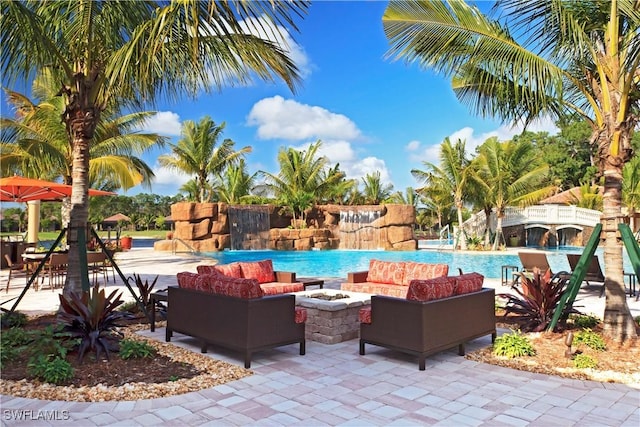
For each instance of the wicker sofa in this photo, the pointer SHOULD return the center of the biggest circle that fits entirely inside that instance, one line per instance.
(234, 314)
(272, 282)
(391, 278)
(436, 314)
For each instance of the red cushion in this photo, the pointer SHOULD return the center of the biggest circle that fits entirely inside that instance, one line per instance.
(274, 288)
(423, 271)
(301, 315)
(187, 279)
(427, 290)
(229, 270)
(466, 283)
(386, 272)
(262, 271)
(364, 315)
(239, 288)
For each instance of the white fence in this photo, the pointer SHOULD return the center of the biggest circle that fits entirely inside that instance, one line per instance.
(538, 214)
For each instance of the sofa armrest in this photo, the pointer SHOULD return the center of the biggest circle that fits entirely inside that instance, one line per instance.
(285, 276)
(357, 276)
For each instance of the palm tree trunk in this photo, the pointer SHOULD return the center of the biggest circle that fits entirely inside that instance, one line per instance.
(496, 241)
(618, 322)
(462, 236)
(81, 118)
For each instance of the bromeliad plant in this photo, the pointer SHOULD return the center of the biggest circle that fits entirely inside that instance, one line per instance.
(91, 317)
(537, 301)
(145, 288)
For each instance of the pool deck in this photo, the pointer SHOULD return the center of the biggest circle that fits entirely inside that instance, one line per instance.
(334, 385)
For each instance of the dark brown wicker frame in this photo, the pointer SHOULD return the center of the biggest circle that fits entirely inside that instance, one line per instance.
(243, 325)
(423, 328)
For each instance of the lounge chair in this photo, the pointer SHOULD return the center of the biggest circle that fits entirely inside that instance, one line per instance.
(594, 272)
(531, 260)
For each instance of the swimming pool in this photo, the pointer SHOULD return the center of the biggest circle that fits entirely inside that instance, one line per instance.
(337, 263)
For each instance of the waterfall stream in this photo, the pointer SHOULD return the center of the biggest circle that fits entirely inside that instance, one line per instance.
(249, 227)
(357, 230)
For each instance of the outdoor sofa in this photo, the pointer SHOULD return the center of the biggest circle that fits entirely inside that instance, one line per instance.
(391, 278)
(234, 314)
(272, 282)
(437, 314)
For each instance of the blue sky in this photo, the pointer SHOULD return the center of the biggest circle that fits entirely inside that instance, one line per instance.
(371, 113)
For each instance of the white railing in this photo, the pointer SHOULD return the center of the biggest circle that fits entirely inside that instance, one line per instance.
(538, 214)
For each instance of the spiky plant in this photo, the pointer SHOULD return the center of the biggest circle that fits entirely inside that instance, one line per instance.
(538, 299)
(92, 318)
(145, 288)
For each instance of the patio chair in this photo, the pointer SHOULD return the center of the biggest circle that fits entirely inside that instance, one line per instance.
(529, 261)
(56, 268)
(97, 263)
(594, 272)
(17, 269)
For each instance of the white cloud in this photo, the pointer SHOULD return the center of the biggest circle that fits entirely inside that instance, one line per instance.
(279, 118)
(164, 123)
(370, 165)
(165, 177)
(265, 30)
(412, 145)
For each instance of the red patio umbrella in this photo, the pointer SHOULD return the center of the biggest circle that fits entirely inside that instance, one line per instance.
(19, 189)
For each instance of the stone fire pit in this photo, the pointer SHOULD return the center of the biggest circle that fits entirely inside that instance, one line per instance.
(331, 321)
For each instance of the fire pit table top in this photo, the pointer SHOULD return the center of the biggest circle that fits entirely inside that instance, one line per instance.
(352, 299)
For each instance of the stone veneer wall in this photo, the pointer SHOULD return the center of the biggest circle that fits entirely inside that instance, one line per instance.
(204, 227)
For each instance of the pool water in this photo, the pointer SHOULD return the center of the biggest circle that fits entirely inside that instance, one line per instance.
(337, 263)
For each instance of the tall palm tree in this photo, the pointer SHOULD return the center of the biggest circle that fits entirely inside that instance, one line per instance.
(197, 153)
(453, 174)
(134, 52)
(437, 200)
(234, 185)
(510, 175)
(302, 180)
(543, 58)
(374, 190)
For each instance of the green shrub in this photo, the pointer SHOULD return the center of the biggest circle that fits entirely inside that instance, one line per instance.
(51, 340)
(590, 339)
(583, 361)
(130, 306)
(637, 319)
(14, 337)
(584, 321)
(513, 345)
(54, 370)
(13, 319)
(130, 349)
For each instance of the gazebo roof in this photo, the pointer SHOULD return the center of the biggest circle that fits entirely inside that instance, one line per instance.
(117, 217)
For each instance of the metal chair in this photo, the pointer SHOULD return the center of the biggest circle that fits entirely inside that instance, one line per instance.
(17, 269)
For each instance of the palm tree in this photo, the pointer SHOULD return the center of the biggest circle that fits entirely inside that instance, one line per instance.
(39, 146)
(437, 200)
(410, 197)
(453, 175)
(133, 52)
(510, 175)
(234, 184)
(197, 153)
(544, 58)
(303, 178)
(375, 191)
